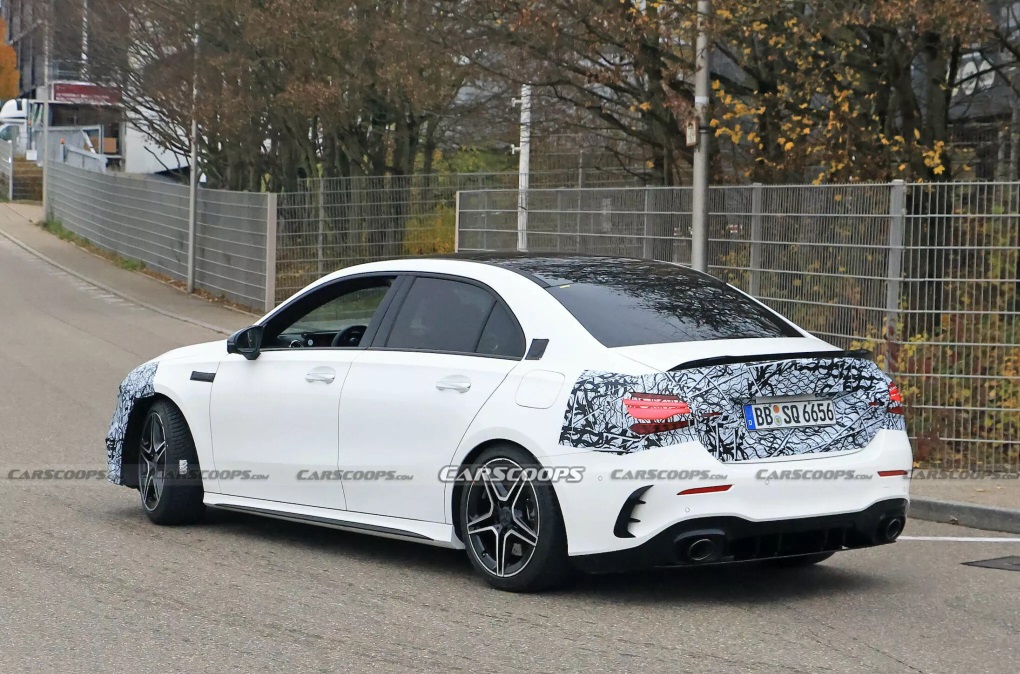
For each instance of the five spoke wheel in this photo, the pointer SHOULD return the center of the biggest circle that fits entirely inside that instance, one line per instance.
(167, 462)
(503, 517)
(510, 521)
(152, 461)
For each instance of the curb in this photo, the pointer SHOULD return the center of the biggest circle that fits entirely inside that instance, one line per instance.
(989, 518)
(113, 291)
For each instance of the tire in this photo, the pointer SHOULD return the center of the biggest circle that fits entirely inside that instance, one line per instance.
(801, 561)
(169, 495)
(528, 527)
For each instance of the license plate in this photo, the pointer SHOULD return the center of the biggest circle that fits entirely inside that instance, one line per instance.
(769, 416)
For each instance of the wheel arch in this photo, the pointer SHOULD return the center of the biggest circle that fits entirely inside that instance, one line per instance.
(136, 421)
(132, 435)
(474, 453)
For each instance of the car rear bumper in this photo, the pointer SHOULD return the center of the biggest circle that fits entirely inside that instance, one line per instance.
(722, 540)
(627, 501)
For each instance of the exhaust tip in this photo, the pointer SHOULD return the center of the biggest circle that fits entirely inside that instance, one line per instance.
(701, 549)
(892, 529)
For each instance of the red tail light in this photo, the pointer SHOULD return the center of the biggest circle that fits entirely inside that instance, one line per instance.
(895, 399)
(655, 407)
(892, 473)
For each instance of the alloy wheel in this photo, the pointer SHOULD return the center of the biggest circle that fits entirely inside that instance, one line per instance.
(503, 518)
(152, 464)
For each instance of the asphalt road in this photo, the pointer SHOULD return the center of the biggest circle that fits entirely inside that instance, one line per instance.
(87, 584)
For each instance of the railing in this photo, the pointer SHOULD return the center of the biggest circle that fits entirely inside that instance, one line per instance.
(926, 275)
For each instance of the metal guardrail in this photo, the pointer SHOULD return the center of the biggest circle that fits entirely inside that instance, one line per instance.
(926, 275)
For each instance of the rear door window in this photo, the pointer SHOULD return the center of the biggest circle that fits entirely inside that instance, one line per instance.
(446, 315)
(441, 315)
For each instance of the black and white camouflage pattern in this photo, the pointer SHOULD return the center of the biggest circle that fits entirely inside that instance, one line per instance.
(137, 385)
(597, 419)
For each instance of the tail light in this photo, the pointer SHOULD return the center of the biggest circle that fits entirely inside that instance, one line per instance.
(895, 399)
(657, 411)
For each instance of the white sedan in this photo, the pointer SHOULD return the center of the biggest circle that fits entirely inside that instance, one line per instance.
(546, 413)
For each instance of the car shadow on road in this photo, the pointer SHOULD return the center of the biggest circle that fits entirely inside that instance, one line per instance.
(745, 583)
(736, 584)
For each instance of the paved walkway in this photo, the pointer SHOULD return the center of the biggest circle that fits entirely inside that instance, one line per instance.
(17, 222)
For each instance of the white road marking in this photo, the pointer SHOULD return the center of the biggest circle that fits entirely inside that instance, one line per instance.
(959, 539)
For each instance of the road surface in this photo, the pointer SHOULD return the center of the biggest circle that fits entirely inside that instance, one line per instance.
(87, 584)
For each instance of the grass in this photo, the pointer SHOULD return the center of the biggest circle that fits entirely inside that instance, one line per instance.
(57, 229)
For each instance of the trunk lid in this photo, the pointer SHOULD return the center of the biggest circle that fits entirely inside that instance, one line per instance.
(716, 380)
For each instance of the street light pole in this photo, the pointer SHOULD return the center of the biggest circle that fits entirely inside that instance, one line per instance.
(699, 216)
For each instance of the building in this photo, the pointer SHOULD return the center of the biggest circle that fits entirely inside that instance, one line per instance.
(86, 120)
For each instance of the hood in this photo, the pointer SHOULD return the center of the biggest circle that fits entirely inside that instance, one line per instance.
(208, 351)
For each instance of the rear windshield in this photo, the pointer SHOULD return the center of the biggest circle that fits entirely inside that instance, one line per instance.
(656, 303)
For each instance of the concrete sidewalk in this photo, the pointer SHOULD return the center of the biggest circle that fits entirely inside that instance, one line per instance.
(17, 223)
(979, 503)
(991, 503)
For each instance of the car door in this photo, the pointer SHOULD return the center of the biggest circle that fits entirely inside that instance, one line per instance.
(444, 348)
(277, 415)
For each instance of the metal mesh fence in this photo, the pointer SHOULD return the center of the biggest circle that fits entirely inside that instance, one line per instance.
(7, 169)
(338, 222)
(925, 275)
(147, 220)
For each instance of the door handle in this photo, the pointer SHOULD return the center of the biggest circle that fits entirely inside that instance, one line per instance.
(321, 375)
(457, 383)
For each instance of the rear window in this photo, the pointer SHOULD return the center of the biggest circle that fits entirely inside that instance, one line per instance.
(656, 303)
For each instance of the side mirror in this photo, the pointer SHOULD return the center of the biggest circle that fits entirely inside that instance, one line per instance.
(247, 342)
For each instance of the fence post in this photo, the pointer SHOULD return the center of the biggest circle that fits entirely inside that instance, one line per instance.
(320, 262)
(897, 226)
(10, 177)
(456, 222)
(271, 203)
(646, 242)
(485, 219)
(754, 287)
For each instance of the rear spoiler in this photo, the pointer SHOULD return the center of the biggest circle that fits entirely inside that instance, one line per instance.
(772, 357)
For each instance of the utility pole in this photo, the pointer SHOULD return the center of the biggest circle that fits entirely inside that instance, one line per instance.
(47, 92)
(193, 169)
(699, 216)
(523, 167)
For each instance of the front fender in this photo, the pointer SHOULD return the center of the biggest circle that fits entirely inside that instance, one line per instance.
(138, 385)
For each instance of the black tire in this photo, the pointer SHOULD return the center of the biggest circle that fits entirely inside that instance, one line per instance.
(800, 561)
(169, 495)
(534, 510)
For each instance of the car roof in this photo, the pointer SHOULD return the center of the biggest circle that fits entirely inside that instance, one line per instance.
(555, 269)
